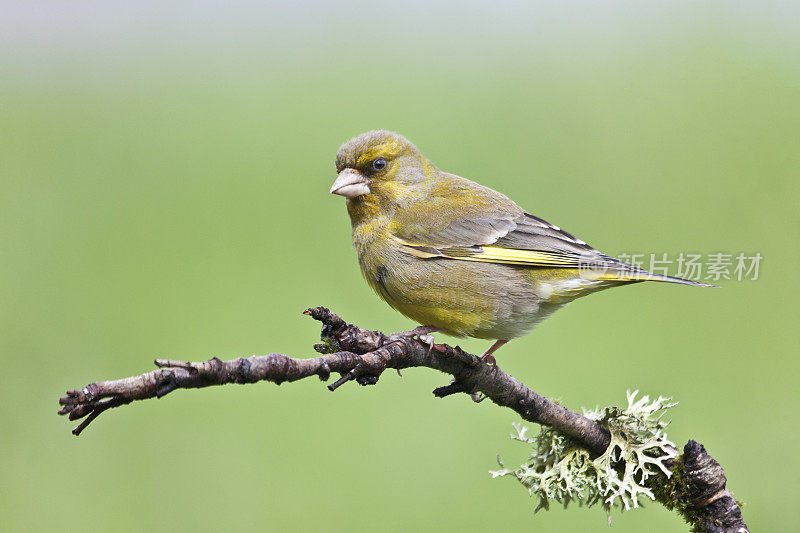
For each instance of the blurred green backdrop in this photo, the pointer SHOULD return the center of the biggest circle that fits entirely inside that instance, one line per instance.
(165, 171)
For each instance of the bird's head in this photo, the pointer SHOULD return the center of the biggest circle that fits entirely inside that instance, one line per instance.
(382, 167)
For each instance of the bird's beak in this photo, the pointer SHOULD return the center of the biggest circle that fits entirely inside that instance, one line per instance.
(350, 183)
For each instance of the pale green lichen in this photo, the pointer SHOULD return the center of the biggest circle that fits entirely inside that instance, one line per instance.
(560, 470)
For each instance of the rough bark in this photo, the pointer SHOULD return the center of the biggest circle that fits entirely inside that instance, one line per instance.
(697, 490)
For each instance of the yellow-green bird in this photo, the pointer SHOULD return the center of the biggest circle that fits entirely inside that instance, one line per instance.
(458, 257)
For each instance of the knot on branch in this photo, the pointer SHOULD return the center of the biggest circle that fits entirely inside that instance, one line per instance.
(337, 335)
(702, 494)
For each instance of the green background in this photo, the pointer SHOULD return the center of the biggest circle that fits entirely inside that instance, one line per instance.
(165, 175)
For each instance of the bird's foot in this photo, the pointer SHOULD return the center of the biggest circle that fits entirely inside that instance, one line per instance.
(419, 332)
(487, 356)
(489, 359)
(423, 333)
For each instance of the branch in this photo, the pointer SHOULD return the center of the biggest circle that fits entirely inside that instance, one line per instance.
(363, 355)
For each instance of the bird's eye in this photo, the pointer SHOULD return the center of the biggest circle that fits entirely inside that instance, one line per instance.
(379, 164)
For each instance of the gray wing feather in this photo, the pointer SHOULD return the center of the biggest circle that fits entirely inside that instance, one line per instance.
(466, 232)
(533, 233)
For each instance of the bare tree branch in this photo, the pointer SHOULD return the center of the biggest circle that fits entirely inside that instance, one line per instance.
(697, 490)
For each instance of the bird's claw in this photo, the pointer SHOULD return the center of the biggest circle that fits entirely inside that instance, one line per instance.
(487, 356)
(423, 333)
(429, 340)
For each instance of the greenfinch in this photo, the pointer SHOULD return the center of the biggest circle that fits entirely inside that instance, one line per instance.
(458, 257)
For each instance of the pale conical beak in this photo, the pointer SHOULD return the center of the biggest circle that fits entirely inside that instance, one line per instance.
(350, 183)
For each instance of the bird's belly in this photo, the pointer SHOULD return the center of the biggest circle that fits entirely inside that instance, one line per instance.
(482, 300)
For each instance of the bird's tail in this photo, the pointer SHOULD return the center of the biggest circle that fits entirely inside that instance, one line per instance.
(644, 275)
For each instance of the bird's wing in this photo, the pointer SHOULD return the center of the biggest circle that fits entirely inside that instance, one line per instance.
(460, 219)
(456, 212)
(469, 222)
(511, 238)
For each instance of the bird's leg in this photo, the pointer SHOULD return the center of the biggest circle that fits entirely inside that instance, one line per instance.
(487, 356)
(423, 333)
(489, 359)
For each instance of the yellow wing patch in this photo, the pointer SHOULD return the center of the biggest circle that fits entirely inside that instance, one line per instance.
(494, 254)
(511, 256)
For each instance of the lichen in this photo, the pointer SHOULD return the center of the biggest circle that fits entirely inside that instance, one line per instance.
(560, 470)
(327, 346)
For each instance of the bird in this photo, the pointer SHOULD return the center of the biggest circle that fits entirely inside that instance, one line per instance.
(458, 257)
